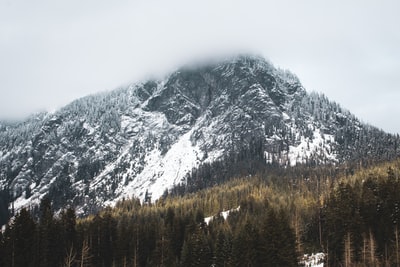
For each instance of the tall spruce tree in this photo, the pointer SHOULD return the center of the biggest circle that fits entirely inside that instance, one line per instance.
(23, 227)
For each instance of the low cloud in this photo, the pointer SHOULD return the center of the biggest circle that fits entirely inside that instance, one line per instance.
(53, 52)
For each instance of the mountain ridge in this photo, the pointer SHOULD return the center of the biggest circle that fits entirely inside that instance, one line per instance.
(149, 135)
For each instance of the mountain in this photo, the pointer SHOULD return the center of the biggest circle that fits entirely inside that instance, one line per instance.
(149, 135)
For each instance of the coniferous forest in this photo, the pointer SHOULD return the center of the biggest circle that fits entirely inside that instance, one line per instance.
(244, 124)
(268, 218)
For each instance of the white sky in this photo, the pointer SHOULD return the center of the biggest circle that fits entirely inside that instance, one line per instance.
(54, 51)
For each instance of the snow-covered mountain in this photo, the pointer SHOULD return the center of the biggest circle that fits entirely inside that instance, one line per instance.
(107, 146)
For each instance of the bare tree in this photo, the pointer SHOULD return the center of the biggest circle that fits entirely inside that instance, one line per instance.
(85, 254)
(70, 257)
(369, 250)
(348, 251)
(397, 246)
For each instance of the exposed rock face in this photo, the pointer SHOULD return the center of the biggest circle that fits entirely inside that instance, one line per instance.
(148, 136)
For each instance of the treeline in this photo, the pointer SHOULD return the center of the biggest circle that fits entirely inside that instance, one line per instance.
(359, 221)
(171, 232)
(351, 214)
(27, 241)
(249, 159)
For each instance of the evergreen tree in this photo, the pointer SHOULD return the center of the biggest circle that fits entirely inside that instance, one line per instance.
(220, 255)
(163, 253)
(2, 250)
(4, 203)
(246, 246)
(278, 241)
(196, 250)
(46, 222)
(69, 235)
(23, 244)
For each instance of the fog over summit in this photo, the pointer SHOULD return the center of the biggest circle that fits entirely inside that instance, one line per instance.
(148, 136)
(52, 52)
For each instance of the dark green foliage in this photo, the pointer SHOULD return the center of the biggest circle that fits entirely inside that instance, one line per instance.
(361, 220)
(246, 247)
(4, 201)
(249, 110)
(223, 249)
(355, 218)
(196, 251)
(220, 253)
(103, 235)
(356, 223)
(2, 250)
(149, 236)
(42, 243)
(50, 250)
(68, 225)
(278, 242)
(23, 240)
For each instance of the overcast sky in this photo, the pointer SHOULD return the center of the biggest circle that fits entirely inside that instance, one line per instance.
(54, 51)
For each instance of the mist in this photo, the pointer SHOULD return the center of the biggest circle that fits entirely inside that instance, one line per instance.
(54, 52)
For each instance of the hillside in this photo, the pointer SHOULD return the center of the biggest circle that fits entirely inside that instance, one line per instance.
(150, 135)
(274, 218)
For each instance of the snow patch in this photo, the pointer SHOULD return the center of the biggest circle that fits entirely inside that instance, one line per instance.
(320, 145)
(164, 171)
(224, 214)
(313, 260)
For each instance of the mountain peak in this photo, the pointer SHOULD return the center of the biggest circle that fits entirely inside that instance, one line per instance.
(150, 135)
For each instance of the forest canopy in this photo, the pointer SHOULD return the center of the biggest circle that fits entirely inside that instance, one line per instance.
(351, 216)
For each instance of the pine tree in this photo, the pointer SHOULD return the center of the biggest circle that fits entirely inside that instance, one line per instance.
(163, 255)
(246, 246)
(46, 223)
(196, 250)
(23, 228)
(2, 249)
(68, 221)
(69, 235)
(396, 232)
(220, 256)
(186, 254)
(278, 240)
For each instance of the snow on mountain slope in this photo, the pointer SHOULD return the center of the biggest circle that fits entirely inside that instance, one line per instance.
(160, 172)
(148, 136)
(223, 214)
